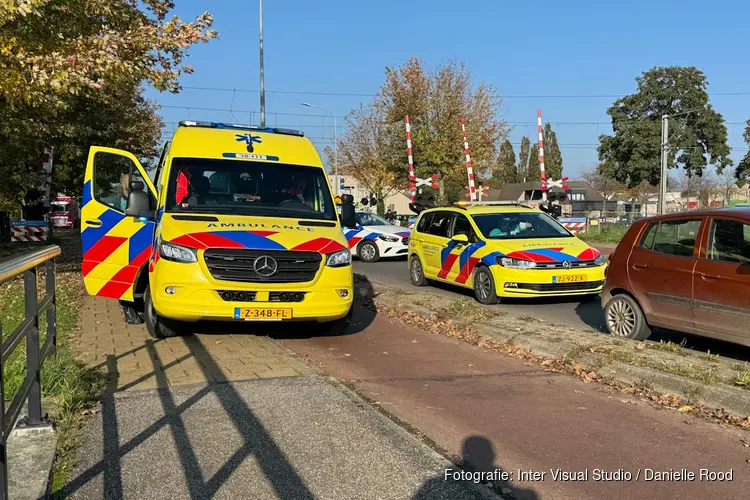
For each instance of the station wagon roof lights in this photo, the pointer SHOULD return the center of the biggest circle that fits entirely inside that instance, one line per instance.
(234, 126)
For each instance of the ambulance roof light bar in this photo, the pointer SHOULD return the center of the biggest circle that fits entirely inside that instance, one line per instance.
(234, 126)
(504, 203)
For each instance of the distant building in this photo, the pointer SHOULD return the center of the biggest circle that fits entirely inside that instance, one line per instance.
(581, 198)
(398, 201)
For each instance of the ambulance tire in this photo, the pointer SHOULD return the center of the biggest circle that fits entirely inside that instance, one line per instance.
(158, 326)
(367, 251)
(336, 327)
(416, 271)
(484, 286)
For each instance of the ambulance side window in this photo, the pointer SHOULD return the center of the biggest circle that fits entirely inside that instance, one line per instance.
(461, 225)
(112, 174)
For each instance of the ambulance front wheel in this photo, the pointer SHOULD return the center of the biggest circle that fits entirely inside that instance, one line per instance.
(158, 326)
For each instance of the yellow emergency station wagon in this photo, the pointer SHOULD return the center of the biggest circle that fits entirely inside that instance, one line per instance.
(502, 249)
(239, 224)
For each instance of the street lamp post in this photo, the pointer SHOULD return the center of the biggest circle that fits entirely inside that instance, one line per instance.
(335, 146)
(262, 75)
(664, 167)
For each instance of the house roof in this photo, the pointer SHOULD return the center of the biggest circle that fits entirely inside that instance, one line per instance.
(514, 191)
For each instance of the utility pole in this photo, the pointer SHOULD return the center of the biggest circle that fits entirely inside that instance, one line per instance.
(664, 173)
(262, 86)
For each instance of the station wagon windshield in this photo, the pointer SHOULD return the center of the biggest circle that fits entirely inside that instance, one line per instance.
(517, 226)
(237, 187)
(365, 219)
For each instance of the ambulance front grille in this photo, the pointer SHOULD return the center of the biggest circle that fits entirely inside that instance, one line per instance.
(239, 265)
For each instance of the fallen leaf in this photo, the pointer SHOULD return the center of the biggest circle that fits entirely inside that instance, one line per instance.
(413, 341)
(470, 364)
(347, 354)
(683, 409)
(385, 352)
(640, 346)
(218, 342)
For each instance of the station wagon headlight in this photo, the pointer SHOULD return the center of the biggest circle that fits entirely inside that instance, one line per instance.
(515, 263)
(600, 260)
(339, 259)
(177, 253)
(388, 238)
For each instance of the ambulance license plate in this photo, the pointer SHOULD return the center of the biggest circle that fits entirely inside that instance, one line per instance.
(573, 278)
(261, 314)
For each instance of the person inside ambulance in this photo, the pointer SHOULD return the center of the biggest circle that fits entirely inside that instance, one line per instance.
(119, 200)
(200, 194)
(508, 228)
(298, 190)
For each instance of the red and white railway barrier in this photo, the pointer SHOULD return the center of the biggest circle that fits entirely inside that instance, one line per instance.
(575, 225)
(22, 232)
(412, 177)
(469, 169)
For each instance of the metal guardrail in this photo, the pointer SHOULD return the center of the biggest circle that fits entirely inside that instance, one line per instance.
(30, 389)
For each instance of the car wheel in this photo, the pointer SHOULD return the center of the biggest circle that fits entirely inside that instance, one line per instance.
(416, 272)
(336, 327)
(158, 326)
(624, 318)
(367, 251)
(484, 286)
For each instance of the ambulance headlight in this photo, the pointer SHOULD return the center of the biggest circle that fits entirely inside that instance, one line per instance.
(177, 253)
(339, 259)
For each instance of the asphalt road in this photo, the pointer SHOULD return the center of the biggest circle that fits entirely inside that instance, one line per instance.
(575, 312)
(497, 412)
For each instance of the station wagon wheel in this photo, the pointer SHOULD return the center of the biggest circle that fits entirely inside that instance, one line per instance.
(624, 318)
(367, 251)
(416, 272)
(484, 286)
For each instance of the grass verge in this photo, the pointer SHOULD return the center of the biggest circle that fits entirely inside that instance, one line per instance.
(610, 233)
(68, 386)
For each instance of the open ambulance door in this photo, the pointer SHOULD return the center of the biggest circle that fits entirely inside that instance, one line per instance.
(116, 240)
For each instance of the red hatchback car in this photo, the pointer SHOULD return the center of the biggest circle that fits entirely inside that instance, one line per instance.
(688, 272)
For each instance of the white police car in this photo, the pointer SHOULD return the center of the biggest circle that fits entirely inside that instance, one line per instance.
(375, 238)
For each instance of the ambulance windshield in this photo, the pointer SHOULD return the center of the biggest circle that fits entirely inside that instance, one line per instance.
(239, 187)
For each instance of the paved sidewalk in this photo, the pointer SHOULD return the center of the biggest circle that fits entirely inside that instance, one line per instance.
(230, 413)
(134, 360)
(285, 438)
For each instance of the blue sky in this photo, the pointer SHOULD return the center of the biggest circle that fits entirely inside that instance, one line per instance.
(545, 48)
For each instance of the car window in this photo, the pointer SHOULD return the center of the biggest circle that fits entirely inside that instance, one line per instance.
(521, 225)
(424, 223)
(461, 225)
(729, 241)
(672, 237)
(439, 224)
(365, 219)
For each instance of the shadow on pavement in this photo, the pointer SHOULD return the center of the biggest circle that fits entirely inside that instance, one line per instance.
(363, 315)
(257, 442)
(478, 456)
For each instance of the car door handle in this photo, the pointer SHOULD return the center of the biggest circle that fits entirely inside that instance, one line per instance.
(639, 266)
(94, 223)
(708, 277)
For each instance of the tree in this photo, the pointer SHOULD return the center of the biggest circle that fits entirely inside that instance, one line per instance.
(363, 152)
(523, 160)
(742, 173)
(71, 77)
(603, 184)
(533, 172)
(553, 164)
(697, 137)
(704, 188)
(435, 102)
(49, 50)
(505, 168)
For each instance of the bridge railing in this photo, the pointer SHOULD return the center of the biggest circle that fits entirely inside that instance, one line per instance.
(30, 390)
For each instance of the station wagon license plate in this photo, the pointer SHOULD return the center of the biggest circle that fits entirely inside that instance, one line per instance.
(573, 278)
(262, 314)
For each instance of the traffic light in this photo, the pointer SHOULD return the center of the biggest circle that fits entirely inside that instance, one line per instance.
(422, 201)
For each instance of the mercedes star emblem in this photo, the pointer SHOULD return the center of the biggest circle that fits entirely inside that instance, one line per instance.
(566, 264)
(265, 266)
